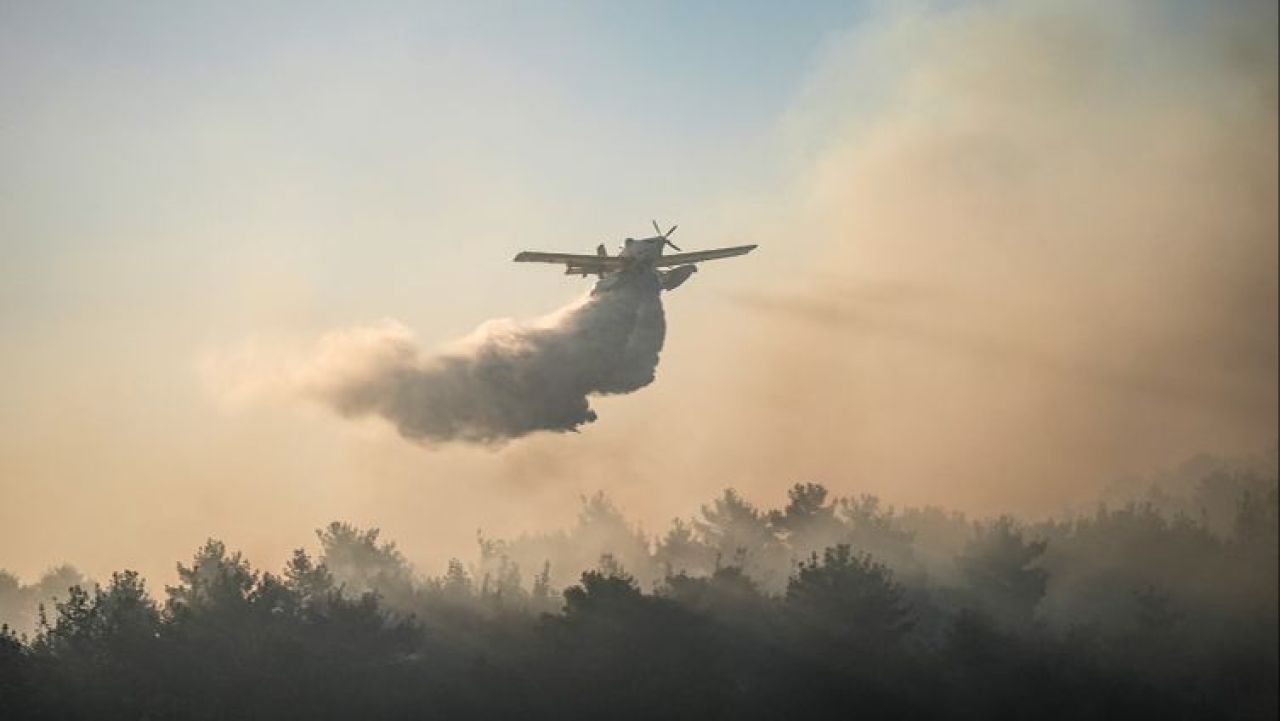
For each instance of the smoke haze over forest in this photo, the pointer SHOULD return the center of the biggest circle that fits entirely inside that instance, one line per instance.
(1164, 604)
(1014, 258)
(1018, 253)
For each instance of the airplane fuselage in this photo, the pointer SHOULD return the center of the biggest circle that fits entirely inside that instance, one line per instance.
(640, 252)
(638, 258)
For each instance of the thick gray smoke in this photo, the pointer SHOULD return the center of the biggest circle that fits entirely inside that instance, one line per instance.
(507, 380)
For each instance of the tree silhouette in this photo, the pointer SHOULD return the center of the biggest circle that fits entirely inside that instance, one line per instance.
(998, 566)
(106, 642)
(808, 522)
(1150, 613)
(740, 535)
(848, 601)
(680, 551)
(359, 564)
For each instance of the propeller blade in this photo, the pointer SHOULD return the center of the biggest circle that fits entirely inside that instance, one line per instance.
(673, 245)
(656, 229)
(669, 232)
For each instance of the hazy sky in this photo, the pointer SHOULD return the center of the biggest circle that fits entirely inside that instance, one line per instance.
(1010, 251)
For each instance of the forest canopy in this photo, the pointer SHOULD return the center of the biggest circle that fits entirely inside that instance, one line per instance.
(828, 606)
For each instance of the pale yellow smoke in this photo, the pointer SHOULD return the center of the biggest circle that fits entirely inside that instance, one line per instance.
(1026, 248)
(1047, 256)
(1018, 249)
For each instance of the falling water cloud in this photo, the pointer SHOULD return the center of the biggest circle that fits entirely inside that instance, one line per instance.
(504, 381)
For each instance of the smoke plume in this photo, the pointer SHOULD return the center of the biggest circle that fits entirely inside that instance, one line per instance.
(1045, 243)
(506, 380)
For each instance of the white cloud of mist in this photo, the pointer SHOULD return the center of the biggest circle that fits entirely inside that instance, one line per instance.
(504, 381)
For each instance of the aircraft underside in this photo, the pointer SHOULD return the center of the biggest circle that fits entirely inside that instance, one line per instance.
(638, 256)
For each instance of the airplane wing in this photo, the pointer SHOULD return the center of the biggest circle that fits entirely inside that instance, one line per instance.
(573, 263)
(698, 256)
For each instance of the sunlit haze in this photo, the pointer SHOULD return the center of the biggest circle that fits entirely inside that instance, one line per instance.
(1009, 254)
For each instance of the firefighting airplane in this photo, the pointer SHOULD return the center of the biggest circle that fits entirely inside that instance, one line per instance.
(637, 255)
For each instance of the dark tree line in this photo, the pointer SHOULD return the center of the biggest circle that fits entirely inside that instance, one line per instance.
(824, 608)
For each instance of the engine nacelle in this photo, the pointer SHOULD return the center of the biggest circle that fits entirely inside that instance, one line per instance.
(671, 279)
